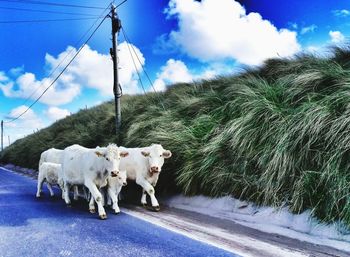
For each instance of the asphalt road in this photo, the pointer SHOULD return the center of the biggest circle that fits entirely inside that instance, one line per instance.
(46, 227)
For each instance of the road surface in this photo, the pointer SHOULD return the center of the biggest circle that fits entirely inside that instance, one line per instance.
(46, 227)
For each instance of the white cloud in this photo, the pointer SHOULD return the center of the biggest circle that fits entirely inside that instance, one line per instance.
(23, 126)
(55, 113)
(90, 69)
(3, 77)
(95, 70)
(174, 71)
(336, 37)
(29, 119)
(341, 13)
(308, 29)
(216, 30)
(27, 85)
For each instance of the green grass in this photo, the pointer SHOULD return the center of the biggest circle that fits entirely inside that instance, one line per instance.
(278, 135)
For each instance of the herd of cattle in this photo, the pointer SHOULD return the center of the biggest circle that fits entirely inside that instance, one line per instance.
(102, 169)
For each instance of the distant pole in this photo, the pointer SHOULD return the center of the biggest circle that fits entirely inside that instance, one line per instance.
(116, 25)
(8, 137)
(2, 135)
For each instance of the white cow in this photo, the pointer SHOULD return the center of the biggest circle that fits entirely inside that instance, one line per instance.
(90, 167)
(48, 172)
(54, 155)
(113, 188)
(143, 165)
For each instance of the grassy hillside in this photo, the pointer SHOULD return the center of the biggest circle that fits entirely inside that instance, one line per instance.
(277, 135)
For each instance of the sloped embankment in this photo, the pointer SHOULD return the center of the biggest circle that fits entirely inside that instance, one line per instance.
(277, 135)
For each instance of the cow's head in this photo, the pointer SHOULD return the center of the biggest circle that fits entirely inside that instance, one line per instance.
(120, 176)
(111, 156)
(156, 155)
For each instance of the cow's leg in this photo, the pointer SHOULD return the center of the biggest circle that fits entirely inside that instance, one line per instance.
(50, 189)
(76, 193)
(61, 185)
(40, 184)
(144, 197)
(92, 205)
(109, 199)
(150, 190)
(66, 193)
(97, 197)
(112, 194)
(103, 196)
(86, 193)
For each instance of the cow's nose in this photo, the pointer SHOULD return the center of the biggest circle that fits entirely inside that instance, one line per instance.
(154, 169)
(124, 184)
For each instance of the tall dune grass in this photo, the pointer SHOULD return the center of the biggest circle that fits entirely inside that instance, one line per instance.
(278, 135)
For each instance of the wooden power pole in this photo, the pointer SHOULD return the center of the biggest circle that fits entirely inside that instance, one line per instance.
(116, 25)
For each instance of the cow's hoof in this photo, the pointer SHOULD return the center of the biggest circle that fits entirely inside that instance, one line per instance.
(92, 210)
(103, 216)
(144, 205)
(37, 196)
(69, 205)
(116, 212)
(156, 208)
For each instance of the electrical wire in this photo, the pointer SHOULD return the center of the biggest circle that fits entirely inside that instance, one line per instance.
(52, 4)
(17, 117)
(144, 70)
(46, 11)
(45, 20)
(64, 69)
(68, 54)
(137, 71)
(120, 3)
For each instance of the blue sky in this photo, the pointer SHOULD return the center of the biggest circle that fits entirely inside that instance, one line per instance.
(176, 41)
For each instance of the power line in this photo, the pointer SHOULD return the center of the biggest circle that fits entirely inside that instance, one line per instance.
(46, 11)
(144, 70)
(68, 54)
(137, 71)
(64, 69)
(121, 3)
(45, 20)
(52, 4)
(13, 119)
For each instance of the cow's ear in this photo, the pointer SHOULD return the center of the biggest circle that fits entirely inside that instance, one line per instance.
(146, 154)
(167, 154)
(99, 154)
(124, 154)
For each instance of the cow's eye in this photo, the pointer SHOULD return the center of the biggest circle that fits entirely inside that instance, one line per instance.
(107, 158)
(160, 155)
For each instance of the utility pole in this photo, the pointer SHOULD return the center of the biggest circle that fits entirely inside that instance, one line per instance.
(2, 135)
(116, 25)
(8, 137)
